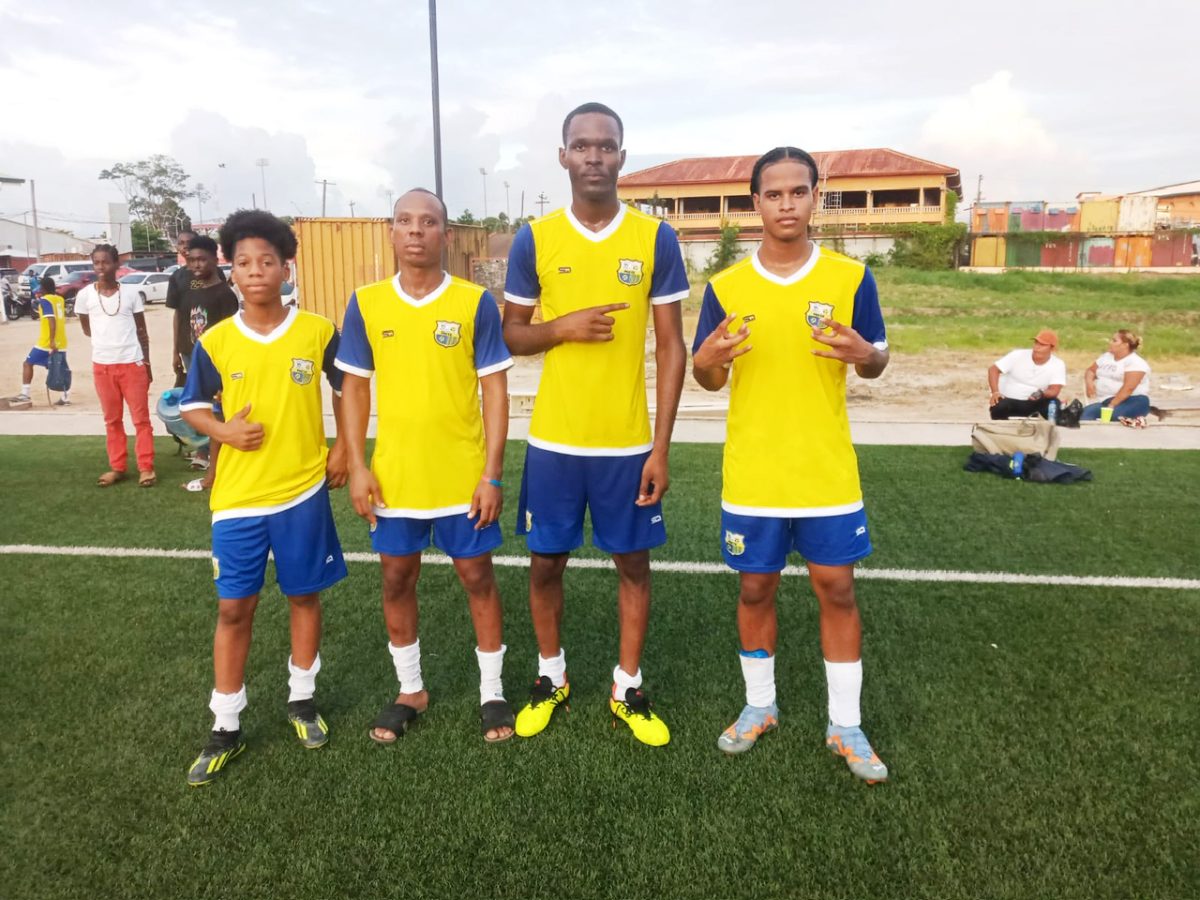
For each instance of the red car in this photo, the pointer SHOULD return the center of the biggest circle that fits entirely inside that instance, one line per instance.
(72, 286)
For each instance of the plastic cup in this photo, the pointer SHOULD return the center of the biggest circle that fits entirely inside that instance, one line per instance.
(1106, 413)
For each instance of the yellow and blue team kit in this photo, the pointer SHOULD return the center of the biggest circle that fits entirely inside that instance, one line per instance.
(51, 309)
(788, 453)
(427, 355)
(273, 498)
(590, 432)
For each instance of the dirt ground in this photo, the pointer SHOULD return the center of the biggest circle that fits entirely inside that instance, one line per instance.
(946, 386)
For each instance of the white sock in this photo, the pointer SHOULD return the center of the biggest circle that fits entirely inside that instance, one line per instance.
(844, 680)
(490, 666)
(66, 396)
(759, 674)
(554, 668)
(25, 389)
(226, 708)
(408, 666)
(623, 681)
(302, 683)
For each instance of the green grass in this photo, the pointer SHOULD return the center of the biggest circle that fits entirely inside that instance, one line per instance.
(994, 313)
(1040, 737)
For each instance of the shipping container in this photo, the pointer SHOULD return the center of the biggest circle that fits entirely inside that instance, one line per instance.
(1137, 215)
(1061, 253)
(338, 255)
(1022, 253)
(989, 218)
(1061, 217)
(1097, 251)
(1026, 215)
(987, 251)
(1174, 249)
(1132, 251)
(1099, 215)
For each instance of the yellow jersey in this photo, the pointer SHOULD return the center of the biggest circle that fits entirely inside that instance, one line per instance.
(787, 448)
(427, 357)
(279, 375)
(51, 307)
(591, 399)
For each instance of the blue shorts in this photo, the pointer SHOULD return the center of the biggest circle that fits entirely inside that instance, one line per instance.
(39, 357)
(762, 543)
(454, 535)
(556, 488)
(308, 556)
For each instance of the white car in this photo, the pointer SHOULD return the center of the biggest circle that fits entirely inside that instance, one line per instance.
(151, 286)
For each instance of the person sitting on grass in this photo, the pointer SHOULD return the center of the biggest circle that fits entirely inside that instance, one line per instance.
(433, 342)
(271, 493)
(1122, 378)
(1023, 382)
(51, 338)
(206, 300)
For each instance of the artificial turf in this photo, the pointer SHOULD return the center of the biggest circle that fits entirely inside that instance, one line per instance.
(1040, 737)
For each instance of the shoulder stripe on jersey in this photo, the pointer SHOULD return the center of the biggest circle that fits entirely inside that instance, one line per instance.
(188, 407)
(353, 370)
(519, 300)
(670, 298)
(495, 367)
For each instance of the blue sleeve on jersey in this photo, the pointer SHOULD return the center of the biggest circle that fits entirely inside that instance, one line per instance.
(203, 381)
(669, 283)
(45, 308)
(712, 314)
(868, 318)
(491, 353)
(329, 364)
(522, 281)
(354, 353)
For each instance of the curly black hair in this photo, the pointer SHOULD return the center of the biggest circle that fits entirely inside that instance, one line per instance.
(203, 242)
(107, 249)
(258, 223)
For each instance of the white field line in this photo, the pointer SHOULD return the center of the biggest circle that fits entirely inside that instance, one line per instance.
(688, 568)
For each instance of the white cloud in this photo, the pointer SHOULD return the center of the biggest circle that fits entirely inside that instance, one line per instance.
(992, 119)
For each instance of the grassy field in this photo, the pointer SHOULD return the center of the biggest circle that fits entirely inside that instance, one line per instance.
(1041, 738)
(965, 311)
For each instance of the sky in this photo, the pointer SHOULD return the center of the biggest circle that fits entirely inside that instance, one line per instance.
(1044, 100)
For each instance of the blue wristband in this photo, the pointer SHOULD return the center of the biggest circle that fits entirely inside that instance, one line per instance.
(494, 482)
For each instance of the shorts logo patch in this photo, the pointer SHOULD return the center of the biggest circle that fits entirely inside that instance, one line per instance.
(302, 371)
(817, 312)
(448, 334)
(329, 559)
(860, 531)
(389, 333)
(528, 520)
(735, 543)
(216, 568)
(655, 520)
(629, 272)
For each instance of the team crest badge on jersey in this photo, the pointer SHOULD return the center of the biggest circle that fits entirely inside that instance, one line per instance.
(302, 371)
(735, 543)
(447, 334)
(629, 273)
(817, 312)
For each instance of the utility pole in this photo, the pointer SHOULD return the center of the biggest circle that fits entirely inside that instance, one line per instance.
(437, 109)
(262, 163)
(542, 200)
(979, 191)
(483, 172)
(325, 183)
(37, 234)
(507, 206)
(351, 202)
(522, 203)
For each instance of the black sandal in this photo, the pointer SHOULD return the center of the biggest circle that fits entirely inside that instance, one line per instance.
(396, 718)
(494, 715)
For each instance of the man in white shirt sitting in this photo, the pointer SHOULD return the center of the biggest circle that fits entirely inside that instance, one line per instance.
(1023, 382)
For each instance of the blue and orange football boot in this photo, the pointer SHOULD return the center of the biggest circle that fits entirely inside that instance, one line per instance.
(852, 745)
(753, 723)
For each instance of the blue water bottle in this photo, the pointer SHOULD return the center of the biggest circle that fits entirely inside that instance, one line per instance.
(1052, 412)
(1017, 465)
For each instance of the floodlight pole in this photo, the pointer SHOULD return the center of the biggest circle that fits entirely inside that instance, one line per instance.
(437, 110)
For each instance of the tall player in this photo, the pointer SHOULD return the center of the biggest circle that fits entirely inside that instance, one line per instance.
(271, 490)
(598, 268)
(799, 316)
(432, 342)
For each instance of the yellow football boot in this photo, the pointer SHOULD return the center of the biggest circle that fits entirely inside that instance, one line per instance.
(635, 712)
(544, 699)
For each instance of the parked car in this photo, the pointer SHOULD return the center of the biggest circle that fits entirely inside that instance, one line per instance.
(151, 286)
(59, 271)
(72, 286)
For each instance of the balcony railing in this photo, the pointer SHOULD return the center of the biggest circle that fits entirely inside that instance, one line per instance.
(876, 215)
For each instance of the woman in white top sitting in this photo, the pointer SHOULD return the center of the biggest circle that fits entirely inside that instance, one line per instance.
(1120, 379)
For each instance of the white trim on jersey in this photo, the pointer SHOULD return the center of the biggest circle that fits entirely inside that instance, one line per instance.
(596, 236)
(494, 368)
(188, 407)
(774, 512)
(388, 512)
(790, 279)
(669, 298)
(587, 451)
(353, 370)
(519, 300)
(428, 298)
(275, 334)
(247, 511)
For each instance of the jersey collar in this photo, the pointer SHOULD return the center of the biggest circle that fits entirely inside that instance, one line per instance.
(428, 298)
(277, 332)
(597, 236)
(795, 276)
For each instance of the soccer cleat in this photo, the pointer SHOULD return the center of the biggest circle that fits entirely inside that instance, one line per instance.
(544, 699)
(310, 727)
(635, 712)
(753, 722)
(222, 746)
(852, 745)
